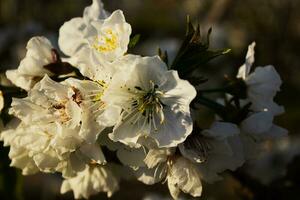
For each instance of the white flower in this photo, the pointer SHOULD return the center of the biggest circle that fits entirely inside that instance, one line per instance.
(216, 149)
(262, 84)
(105, 40)
(49, 148)
(74, 103)
(39, 53)
(92, 180)
(180, 173)
(184, 176)
(72, 32)
(1, 101)
(256, 129)
(155, 103)
(61, 123)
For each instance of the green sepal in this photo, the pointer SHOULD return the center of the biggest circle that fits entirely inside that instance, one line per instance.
(194, 52)
(133, 41)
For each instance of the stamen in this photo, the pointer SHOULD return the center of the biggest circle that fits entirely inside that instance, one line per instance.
(146, 104)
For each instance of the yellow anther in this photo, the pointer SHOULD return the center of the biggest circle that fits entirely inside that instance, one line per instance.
(107, 42)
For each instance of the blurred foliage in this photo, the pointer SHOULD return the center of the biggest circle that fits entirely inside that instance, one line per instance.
(273, 24)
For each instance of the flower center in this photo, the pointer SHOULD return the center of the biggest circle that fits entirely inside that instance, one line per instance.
(106, 42)
(60, 110)
(149, 104)
(146, 107)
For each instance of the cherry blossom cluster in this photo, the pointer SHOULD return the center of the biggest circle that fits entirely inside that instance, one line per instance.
(98, 114)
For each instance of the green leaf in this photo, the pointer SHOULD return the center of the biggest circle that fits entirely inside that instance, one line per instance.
(133, 41)
(194, 52)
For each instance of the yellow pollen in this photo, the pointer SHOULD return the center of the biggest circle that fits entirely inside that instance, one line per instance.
(104, 86)
(106, 43)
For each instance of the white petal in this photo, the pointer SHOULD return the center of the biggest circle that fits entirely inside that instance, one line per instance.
(151, 176)
(38, 54)
(175, 129)
(224, 155)
(126, 133)
(20, 159)
(71, 36)
(1, 101)
(174, 190)
(245, 68)
(179, 93)
(110, 116)
(46, 161)
(221, 130)
(263, 84)
(52, 89)
(74, 112)
(276, 132)
(93, 152)
(23, 81)
(257, 123)
(92, 180)
(156, 156)
(131, 157)
(95, 12)
(184, 176)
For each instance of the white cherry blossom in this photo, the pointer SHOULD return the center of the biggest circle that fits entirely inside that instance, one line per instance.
(71, 33)
(215, 149)
(262, 84)
(155, 103)
(105, 39)
(133, 108)
(49, 148)
(180, 173)
(59, 119)
(75, 104)
(184, 176)
(31, 69)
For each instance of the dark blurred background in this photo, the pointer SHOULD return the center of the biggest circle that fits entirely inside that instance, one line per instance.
(273, 24)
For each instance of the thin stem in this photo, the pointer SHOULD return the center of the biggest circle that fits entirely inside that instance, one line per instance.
(223, 90)
(213, 105)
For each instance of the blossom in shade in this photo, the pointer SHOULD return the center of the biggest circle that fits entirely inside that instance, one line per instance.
(262, 84)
